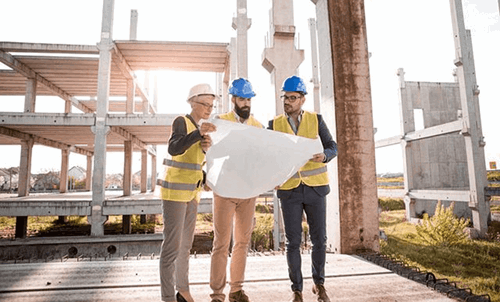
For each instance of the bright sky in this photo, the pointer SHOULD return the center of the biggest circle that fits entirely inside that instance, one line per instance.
(414, 35)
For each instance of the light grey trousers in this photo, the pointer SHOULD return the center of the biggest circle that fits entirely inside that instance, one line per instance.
(179, 221)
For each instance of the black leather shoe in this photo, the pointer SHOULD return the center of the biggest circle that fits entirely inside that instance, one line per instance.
(320, 291)
(180, 298)
(297, 296)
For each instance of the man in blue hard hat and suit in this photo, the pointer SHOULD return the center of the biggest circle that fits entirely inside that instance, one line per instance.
(226, 210)
(306, 190)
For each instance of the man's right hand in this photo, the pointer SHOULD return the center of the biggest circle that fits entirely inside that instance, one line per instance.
(207, 128)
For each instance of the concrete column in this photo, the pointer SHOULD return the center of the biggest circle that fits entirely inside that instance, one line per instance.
(472, 132)
(241, 24)
(144, 170)
(327, 109)
(63, 179)
(127, 183)
(131, 85)
(25, 168)
(24, 184)
(359, 229)
(67, 106)
(130, 102)
(134, 18)
(153, 171)
(281, 59)
(88, 179)
(145, 101)
(100, 129)
(30, 96)
(314, 61)
(407, 125)
(127, 170)
(233, 58)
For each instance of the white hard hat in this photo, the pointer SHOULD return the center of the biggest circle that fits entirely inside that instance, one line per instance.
(200, 89)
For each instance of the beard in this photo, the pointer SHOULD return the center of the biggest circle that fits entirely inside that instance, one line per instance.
(243, 112)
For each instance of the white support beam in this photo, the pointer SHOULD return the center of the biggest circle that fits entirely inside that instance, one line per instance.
(42, 119)
(42, 141)
(49, 48)
(394, 140)
(450, 127)
(452, 195)
(140, 120)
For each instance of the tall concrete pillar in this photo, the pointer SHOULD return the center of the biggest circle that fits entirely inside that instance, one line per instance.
(241, 24)
(359, 229)
(144, 170)
(314, 61)
(407, 125)
(134, 18)
(127, 169)
(127, 184)
(327, 109)
(100, 129)
(130, 102)
(153, 171)
(88, 179)
(24, 184)
(63, 179)
(25, 168)
(30, 96)
(281, 59)
(472, 132)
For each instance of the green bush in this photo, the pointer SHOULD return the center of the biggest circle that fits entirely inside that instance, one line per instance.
(444, 228)
(263, 208)
(262, 236)
(493, 175)
(391, 204)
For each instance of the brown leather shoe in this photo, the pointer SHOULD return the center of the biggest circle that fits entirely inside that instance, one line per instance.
(320, 291)
(238, 296)
(297, 296)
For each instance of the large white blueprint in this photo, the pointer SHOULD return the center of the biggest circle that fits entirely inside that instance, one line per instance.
(245, 161)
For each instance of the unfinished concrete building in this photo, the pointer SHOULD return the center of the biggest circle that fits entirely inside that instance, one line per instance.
(344, 101)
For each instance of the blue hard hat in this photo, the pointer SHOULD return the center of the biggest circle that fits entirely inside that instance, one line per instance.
(294, 84)
(241, 87)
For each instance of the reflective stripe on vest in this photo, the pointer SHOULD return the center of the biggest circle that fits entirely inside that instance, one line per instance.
(176, 164)
(312, 173)
(231, 116)
(184, 174)
(178, 186)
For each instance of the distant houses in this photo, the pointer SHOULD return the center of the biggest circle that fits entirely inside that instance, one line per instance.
(50, 181)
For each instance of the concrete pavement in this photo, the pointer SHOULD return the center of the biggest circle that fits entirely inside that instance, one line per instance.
(349, 278)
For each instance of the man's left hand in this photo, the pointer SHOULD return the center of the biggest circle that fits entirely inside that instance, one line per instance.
(319, 158)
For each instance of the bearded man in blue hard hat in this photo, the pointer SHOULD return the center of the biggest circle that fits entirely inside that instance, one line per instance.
(306, 190)
(225, 210)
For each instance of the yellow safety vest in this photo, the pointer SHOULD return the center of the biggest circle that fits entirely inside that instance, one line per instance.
(231, 116)
(312, 173)
(183, 180)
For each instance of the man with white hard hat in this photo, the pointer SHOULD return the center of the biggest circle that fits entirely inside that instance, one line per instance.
(180, 192)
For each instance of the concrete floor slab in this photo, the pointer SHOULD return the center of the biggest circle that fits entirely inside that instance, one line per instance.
(349, 278)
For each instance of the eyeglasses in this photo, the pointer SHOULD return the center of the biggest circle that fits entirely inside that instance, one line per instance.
(208, 106)
(292, 98)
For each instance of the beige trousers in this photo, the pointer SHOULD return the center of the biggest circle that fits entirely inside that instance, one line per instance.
(226, 211)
